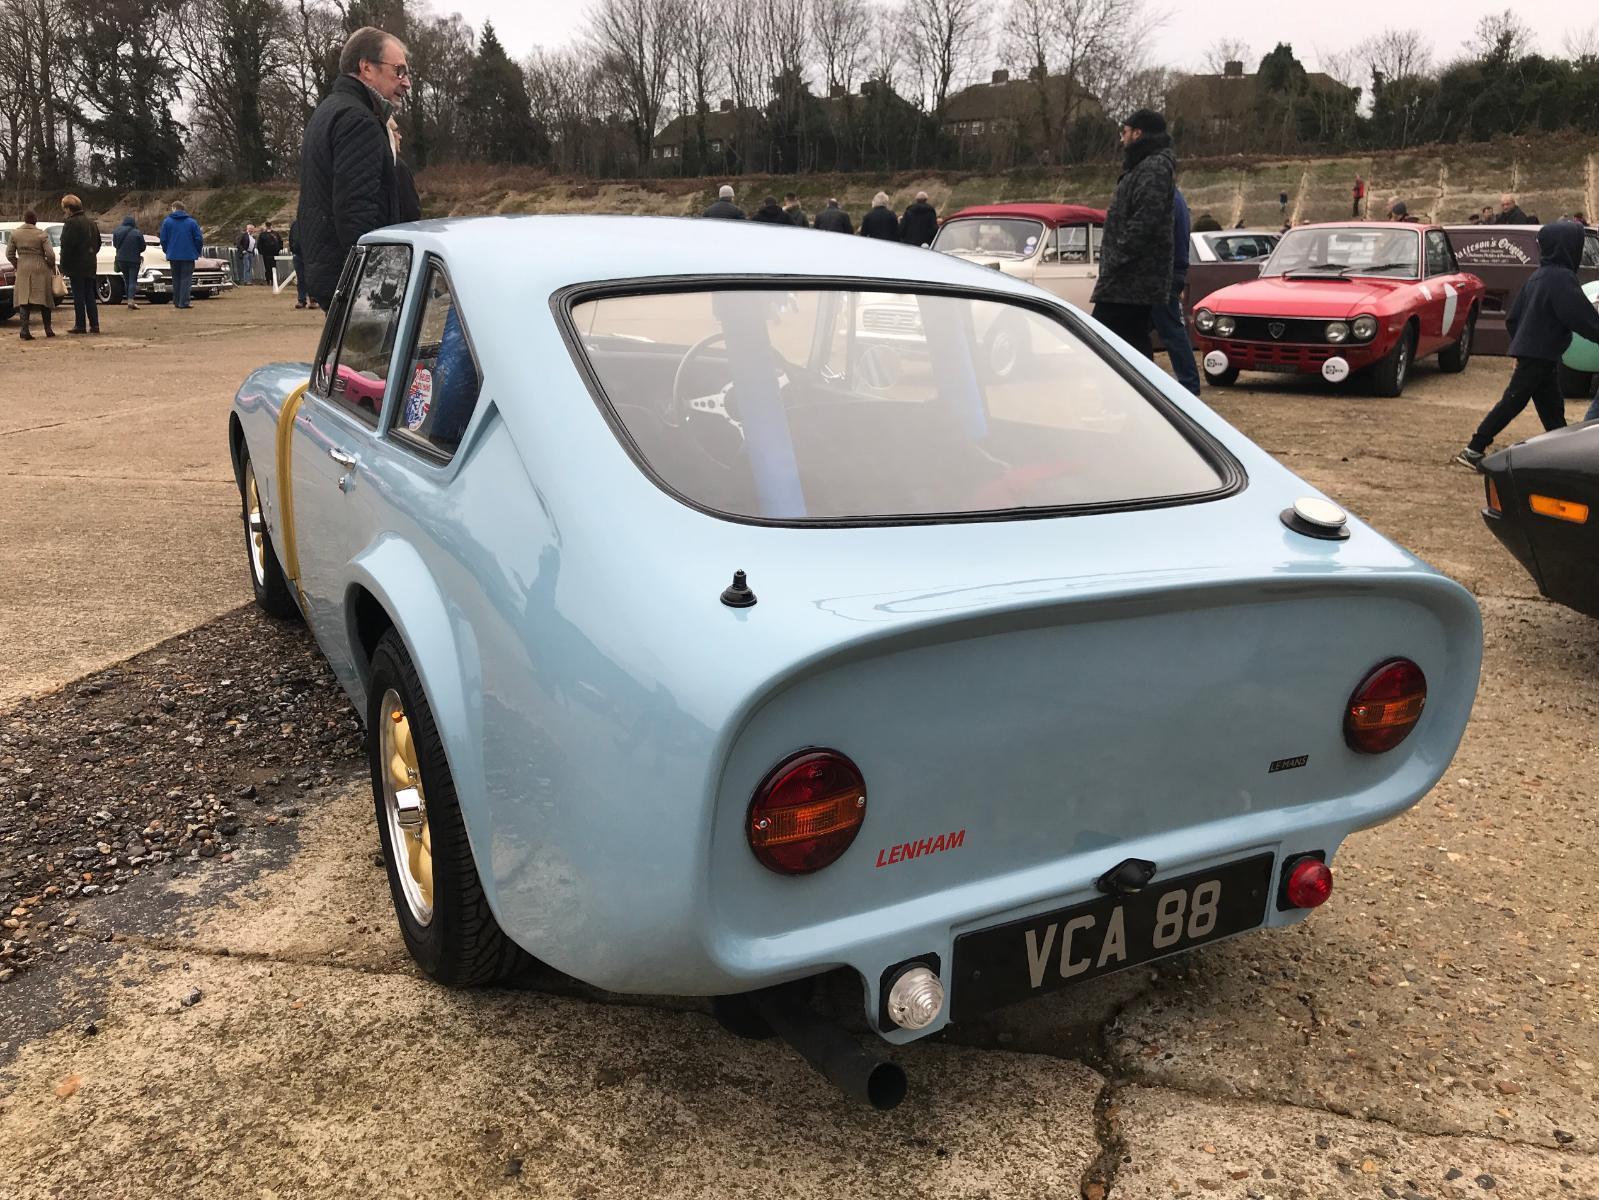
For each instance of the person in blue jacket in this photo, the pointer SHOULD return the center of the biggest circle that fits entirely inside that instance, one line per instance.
(128, 239)
(1168, 318)
(1549, 308)
(182, 241)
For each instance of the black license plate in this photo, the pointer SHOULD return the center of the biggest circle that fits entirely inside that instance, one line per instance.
(1011, 962)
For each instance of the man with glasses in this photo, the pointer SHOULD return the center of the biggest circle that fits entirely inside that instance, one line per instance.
(348, 180)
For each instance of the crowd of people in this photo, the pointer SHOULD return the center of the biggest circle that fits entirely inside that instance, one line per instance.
(916, 226)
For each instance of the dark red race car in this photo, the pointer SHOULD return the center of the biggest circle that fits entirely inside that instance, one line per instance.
(1339, 298)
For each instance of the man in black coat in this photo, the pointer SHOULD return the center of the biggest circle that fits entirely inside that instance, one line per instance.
(270, 245)
(881, 222)
(1510, 212)
(796, 214)
(1135, 263)
(834, 219)
(918, 224)
(347, 176)
(723, 208)
(771, 213)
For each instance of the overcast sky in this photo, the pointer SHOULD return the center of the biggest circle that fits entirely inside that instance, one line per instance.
(1179, 42)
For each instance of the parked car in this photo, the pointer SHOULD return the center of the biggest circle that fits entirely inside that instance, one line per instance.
(1055, 246)
(211, 275)
(699, 656)
(1579, 366)
(8, 283)
(1335, 299)
(1543, 504)
(1217, 258)
(1504, 257)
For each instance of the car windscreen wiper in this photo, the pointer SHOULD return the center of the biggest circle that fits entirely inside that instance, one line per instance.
(1314, 270)
(1375, 267)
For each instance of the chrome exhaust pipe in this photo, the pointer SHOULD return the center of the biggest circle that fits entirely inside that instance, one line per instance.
(839, 1058)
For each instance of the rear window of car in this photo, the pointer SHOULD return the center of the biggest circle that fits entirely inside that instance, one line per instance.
(860, 407)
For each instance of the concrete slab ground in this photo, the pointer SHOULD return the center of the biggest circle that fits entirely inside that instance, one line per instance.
(118, 510)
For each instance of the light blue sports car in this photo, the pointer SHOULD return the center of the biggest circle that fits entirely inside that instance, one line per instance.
(729, 605)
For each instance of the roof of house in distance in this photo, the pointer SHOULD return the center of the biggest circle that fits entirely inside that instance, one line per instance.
(1049, 214)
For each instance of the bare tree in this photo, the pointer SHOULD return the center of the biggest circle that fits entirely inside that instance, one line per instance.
(1580, 44)
(841, 29)
(1223, 51)
(1395, 54)
(884, 46)
(637, 40)
(946, 39)
(1075, 41)
(1503, 34)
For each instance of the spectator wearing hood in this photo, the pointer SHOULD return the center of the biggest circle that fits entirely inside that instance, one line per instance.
(834, 219)
(181, 242)
(1207, 224)
(1135, 269)
(128, 239)
(1549, 308)
(1398, 210)
(918, 224)
(880, 223)
(1510, 212)
(771, 213)
(723, 208)
(796, 214)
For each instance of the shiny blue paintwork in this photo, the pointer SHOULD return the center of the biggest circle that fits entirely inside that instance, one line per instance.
(1069, 691)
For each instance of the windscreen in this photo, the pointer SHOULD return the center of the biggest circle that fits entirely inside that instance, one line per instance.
(1005, 237)
(861, 406)
(1347, 250)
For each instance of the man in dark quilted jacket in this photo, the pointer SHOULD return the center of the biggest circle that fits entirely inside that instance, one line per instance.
(1135, 257)
(347, 174)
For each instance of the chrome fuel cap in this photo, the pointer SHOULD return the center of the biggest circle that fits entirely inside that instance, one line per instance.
(1317, 518)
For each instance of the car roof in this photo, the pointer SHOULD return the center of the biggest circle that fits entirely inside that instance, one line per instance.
(1468, 226)
(1250, 232)
(1416, 226)
(558, 251)
(1049, 214)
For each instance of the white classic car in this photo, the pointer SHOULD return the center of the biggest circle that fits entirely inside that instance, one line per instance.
(211, 275)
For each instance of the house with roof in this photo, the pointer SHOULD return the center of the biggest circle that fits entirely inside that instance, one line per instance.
(724, 128)
(1006, 122)
(1220, 112)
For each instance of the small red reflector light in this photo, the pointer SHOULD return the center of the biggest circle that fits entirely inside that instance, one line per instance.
(1309, 883)
(1385, 707)
(806, 812)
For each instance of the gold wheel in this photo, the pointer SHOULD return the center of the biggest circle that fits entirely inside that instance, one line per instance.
(405, 808)
(256, 523)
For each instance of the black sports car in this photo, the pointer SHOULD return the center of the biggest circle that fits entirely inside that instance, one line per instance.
(1543, 504)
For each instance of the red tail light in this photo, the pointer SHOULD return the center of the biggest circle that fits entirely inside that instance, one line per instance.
(806, 812)
(1385, 707)
(1309, 884)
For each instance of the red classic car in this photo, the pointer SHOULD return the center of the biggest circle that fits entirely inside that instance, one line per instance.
(1339, 298)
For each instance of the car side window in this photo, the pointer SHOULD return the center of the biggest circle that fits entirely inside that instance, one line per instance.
(328, 349)
(1071, 244)
(1440, 260)
(1590, 251)
(360, 373)
(442, 379)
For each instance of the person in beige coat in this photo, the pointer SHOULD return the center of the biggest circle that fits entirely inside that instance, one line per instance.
(35, 259)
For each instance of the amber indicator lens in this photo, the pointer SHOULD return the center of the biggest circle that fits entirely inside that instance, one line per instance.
(1493, 496)
(1309, 883)
(1385, 707)
(806, 812)
(1560, 510)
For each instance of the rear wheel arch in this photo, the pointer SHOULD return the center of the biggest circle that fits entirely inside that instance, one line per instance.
(369, 621)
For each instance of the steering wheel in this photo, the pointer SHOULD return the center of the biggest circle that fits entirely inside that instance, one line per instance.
(677, 407)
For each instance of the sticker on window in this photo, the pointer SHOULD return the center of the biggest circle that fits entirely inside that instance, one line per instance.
(419, 399)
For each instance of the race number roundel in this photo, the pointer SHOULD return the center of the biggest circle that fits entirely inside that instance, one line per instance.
(1215, 362)
(419, 398)
(1335, 369)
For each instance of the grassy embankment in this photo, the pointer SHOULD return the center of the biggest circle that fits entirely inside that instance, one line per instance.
(1551, 175)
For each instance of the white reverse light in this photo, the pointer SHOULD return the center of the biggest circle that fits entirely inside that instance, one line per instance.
(916, 999)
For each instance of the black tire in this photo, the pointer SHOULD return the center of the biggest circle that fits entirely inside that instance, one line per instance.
(461, 944)
(1006, 351)
(108, 289)
(1389, 376)
(1452, 359)
(1226, 379)
(1574, 385)
(273, 595)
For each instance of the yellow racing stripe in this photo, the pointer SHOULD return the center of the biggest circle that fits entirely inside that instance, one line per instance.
(285, 481)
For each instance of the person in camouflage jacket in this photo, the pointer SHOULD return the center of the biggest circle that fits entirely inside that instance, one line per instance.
(1135, 261)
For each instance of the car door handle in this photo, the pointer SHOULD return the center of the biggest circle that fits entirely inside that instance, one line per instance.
(343, 457)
